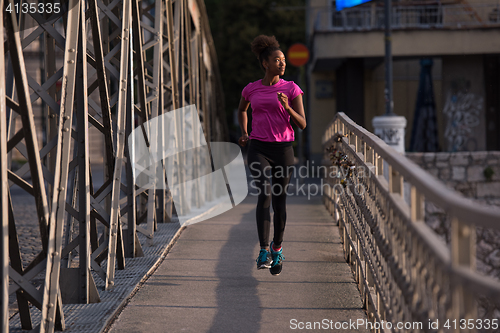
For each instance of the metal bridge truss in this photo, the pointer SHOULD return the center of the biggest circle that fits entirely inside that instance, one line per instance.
(119, 63)
(404, 271)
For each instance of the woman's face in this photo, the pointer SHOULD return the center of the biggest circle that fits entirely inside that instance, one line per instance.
(276, 63)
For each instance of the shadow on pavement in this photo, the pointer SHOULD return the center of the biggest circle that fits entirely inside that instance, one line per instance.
(237, 289)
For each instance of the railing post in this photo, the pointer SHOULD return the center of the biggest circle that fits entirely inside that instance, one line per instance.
(359, 265)
(336, 207)
(401, 185)
(379, 163)
(363, 150)
(395, 182)
(345, 226)
(331, 206)
(373, 15)
(390, 180)
(463, 253)
(416, 205)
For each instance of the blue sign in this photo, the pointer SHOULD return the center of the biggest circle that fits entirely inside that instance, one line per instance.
(341, 4)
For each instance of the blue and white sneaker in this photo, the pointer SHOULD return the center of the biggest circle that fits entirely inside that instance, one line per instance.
(277, 257)
(264, 260)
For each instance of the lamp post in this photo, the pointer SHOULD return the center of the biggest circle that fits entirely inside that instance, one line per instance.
(389, 127)
(389, 103)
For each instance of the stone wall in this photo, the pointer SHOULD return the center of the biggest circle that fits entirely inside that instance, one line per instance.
(477, 176)
(474, 174)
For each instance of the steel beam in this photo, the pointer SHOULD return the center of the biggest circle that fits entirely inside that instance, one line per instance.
(138, 48)
(24, 109)
(62, 159)
(4, 194)
(123, 88)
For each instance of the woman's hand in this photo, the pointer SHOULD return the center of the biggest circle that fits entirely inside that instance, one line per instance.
(297, 112)
(243, 140)
(283, 98)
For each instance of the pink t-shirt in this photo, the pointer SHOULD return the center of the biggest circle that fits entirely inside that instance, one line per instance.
(270, 121)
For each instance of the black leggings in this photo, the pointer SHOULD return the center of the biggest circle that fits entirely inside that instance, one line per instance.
(269, 164)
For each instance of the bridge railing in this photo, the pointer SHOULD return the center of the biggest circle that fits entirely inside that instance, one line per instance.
(435, 16)
(405, 272)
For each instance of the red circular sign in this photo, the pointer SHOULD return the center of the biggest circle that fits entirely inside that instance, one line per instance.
(298, 55)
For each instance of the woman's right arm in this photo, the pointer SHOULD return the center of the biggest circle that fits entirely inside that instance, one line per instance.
(243, 120)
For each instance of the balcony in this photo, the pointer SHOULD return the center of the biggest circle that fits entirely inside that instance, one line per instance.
(370, 17)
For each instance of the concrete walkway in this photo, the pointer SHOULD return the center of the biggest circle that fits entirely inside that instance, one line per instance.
(209, 281)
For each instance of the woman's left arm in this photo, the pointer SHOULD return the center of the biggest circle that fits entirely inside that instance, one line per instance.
(297, 112)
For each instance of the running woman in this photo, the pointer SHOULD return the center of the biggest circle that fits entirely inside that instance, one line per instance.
(270, 153)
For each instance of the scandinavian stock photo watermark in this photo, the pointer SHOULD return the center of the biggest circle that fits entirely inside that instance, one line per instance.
(169, 152)
(204, 179)
(407, 326)
(298, 184)
(358, 324)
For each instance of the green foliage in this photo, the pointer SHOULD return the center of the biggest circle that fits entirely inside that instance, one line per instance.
(234, 24)
(488, 173)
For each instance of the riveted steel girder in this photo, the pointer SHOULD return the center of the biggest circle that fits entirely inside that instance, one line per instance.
(109, 66)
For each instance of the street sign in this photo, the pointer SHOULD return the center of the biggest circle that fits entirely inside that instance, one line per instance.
(298, 55)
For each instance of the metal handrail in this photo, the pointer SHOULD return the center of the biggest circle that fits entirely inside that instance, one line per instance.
(435, 16)
(458, 206)
(395, 256)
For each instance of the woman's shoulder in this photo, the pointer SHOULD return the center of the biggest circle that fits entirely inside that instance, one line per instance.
(254, 83)
(292, 87)
(250, 88)
(290, 84)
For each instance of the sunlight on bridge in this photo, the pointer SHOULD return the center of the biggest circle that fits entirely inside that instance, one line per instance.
(406, 273)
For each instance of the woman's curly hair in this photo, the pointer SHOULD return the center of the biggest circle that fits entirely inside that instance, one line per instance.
(263, 46)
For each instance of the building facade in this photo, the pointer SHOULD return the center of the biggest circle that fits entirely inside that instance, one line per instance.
(346, 72)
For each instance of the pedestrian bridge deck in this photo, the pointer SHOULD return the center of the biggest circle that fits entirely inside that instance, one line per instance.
(209, 281)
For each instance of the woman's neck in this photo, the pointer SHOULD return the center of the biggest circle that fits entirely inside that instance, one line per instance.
(269, 80)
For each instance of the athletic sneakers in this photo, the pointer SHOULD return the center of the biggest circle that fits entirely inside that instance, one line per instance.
(264, 260)
(277, 257)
